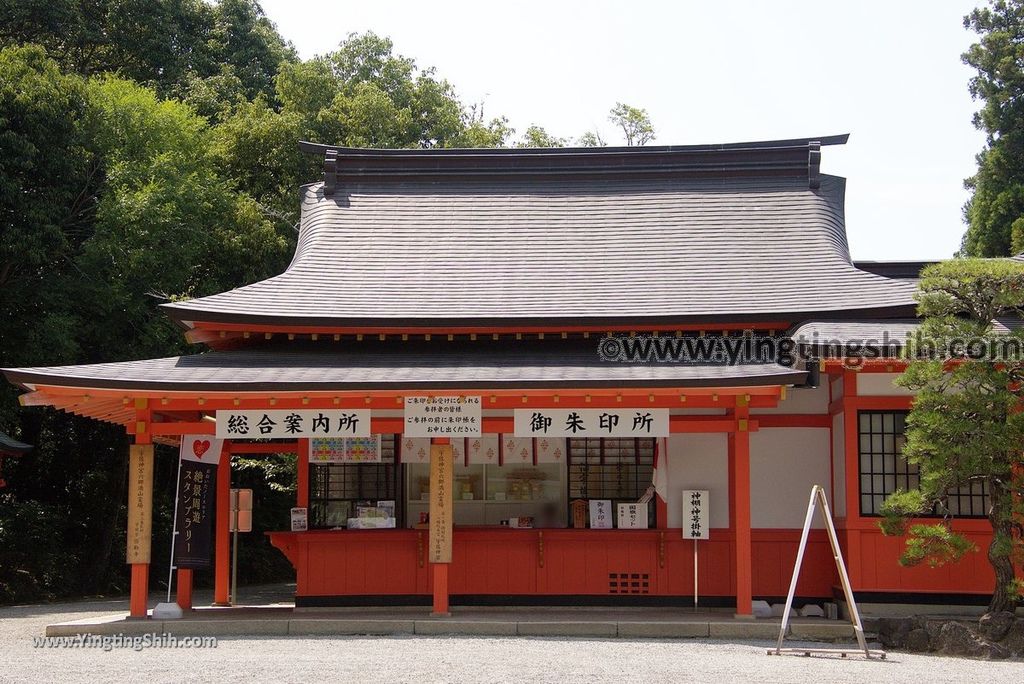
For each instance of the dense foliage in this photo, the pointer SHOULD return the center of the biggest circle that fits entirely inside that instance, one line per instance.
(995, 212)
(148, 150)
(966, 426)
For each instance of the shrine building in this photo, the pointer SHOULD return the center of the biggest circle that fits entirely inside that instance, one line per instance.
(500, 370)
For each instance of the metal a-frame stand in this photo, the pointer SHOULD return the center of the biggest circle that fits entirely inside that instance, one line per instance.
(818, 497)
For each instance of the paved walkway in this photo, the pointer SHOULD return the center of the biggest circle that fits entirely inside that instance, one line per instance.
(269, 610)
(575, 622)
(426, 659)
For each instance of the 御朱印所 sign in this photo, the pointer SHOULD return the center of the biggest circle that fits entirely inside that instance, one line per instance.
(591, 422)
(442, 416)
(285, 423)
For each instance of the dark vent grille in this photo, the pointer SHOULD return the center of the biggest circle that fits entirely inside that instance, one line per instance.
(628, 583)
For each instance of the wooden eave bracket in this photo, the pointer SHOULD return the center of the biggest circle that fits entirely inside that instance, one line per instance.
(330, 172)
(814, 165)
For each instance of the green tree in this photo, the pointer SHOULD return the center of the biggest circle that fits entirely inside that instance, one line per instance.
(108, 196)
(476, 132)
(635, 124)
(148, 150)
(48, 180)
(966, 425)
(536, 136)
(166, 44)
(995, 212)
(591, 139)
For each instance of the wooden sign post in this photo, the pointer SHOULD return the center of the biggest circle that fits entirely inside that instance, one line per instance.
(140, 503)
(696, 524)
(440, 536)
(441, 503)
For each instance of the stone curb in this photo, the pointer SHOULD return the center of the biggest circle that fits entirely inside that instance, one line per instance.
(467, 627)
(328, 626)
(313, 626)
(583, 629)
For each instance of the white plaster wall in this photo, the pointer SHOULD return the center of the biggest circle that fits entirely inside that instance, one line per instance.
(838, 466)
(698, 461)
(880, 384)
(837, 386)
(784, 464)
(801, 400)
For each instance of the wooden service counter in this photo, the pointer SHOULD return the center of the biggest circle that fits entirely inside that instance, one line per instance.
(502, 565)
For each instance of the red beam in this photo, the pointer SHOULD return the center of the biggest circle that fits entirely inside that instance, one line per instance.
(203, 427)
(759, 397)
(498, 425)
(238, 447)
(794, 420)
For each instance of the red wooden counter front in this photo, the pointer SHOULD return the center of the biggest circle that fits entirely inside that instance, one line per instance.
(497, 561)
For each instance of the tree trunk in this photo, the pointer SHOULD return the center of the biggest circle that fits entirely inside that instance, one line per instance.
(999, 551)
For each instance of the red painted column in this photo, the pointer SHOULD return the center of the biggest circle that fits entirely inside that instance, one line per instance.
(140, 590)
(852, 456)
(739, 454)
(440, 604)
(660, 505)
(222, 537)
(184, 595)
(302, 463)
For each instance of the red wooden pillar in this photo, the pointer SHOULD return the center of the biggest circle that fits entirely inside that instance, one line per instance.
(222, 537)
(852, 457)
(440, 605)
(739, 454)
(184, 595)
(302, 479)
(140, 491)
(660, 505)
(440, 588)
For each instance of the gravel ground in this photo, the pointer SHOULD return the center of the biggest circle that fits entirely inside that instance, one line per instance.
(448, 659)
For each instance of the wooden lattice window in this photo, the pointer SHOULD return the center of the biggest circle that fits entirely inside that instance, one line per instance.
(619, 469)
(883, 469)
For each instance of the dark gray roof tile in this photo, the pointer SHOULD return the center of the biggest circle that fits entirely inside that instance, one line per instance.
(564, 251)
(400, 366)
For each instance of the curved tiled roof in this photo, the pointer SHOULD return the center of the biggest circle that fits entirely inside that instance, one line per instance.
(502, 239)
(873, 333)
(504, 364)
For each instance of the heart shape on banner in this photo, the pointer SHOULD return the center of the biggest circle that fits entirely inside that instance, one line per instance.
(200, 447)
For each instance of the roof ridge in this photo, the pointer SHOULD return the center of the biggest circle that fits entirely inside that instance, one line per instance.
(797, 157)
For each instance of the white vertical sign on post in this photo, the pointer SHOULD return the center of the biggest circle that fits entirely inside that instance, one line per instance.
(601, 514)
(696, 525)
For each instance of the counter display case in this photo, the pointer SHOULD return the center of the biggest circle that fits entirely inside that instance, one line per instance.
(487, 494)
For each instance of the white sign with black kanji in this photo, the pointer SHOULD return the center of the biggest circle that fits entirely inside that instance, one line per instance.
(696, 517)
(285, 423)
(443, 416)
(631, 422)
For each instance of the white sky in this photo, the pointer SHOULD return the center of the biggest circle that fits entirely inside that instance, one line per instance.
(889, 73)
